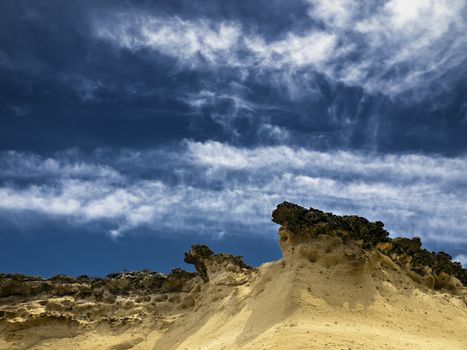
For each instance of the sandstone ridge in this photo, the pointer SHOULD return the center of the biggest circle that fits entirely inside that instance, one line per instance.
(342, 283)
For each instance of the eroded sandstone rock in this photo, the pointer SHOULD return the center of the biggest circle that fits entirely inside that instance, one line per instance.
(346, 247)
(207, 263)
(299, 224)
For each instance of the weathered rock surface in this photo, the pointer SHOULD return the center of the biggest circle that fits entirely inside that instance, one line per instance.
(299, 224)
(340, 268)
(77, 305)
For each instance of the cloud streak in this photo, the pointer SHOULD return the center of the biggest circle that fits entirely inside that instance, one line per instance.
(389, 47)
(187, 40)
(318, 74)
(217, 189)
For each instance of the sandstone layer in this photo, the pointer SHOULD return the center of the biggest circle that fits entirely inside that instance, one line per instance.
(342, 283)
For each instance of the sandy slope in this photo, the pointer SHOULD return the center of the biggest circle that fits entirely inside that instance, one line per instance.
(342, 284)
(322, 295)
(329, 303)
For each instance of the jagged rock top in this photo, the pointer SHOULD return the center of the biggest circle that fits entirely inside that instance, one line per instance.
(296, 221)
(200, 256)
(307, 223)
(313, 222)
(123, 283)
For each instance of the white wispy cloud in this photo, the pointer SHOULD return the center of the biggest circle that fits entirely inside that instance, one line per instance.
(402, 167)
(25, 165)
(234, 106)
(271, 132)
(310, 49)
(187, 40)
(387, 47)
(215, 188)
(401, 44)
(462, 258)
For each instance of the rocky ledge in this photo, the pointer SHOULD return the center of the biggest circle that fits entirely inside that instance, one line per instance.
(141, 283)
(435, 269)
(73, 306)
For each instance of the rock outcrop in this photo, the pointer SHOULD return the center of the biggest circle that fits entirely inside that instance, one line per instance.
(74, 306)
(335, 270)
(299, 224)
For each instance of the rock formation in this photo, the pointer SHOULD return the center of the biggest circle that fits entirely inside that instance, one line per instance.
(437, 269)
(339, 275)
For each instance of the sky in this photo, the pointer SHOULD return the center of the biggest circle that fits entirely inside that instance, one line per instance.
(130, 130)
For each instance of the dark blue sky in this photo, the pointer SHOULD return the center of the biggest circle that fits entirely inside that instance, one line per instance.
(131, 129)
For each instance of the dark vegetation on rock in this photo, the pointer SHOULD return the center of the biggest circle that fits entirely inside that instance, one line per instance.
(306, 223)
(314, 222)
